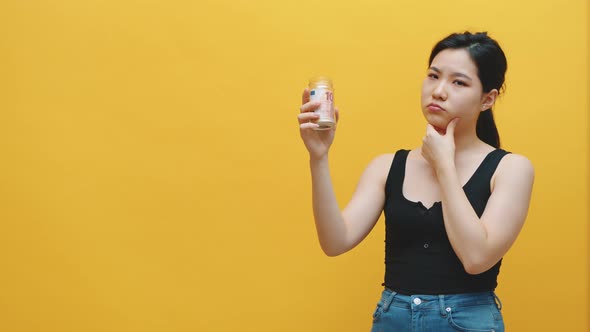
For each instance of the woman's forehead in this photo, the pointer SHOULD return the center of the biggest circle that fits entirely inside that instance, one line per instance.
(454, 60)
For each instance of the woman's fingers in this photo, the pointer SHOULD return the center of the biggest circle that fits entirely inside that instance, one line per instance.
(309, 106)
(305, 96)
(309, 125)
(307, 117)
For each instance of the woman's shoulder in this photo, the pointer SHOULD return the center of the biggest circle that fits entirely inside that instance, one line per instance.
(386, 159)
(514, 168)
(515, 160)
(383, 160)
(381, 164)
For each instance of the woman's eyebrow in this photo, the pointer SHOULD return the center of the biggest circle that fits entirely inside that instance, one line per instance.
(453, 74)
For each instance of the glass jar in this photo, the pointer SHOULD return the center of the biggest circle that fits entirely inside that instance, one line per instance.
(321, 89)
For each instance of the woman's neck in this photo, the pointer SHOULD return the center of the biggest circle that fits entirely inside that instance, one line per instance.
(467, 143)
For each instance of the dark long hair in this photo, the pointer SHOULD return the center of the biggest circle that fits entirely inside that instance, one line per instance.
(491, 70)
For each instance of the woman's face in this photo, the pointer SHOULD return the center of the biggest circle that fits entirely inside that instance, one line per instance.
(451, 83)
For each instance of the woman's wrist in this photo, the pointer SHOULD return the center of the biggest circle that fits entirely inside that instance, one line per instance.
(444, 169)
(318, 160)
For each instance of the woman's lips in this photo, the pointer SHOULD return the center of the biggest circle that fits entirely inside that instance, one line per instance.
(435, 108)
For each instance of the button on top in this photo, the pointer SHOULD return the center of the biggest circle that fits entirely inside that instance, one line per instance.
(417, 301)
(426, 245)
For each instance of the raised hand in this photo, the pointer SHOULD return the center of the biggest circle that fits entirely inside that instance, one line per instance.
(317, 142)
(439, 148)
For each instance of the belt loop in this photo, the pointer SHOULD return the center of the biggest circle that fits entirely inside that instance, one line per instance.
(441, 302)
(388, 301)
(498, 302)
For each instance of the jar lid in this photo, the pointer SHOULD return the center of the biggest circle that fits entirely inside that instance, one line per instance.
(320, 81)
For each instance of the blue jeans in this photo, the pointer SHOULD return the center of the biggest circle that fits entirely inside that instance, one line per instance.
(468, 312)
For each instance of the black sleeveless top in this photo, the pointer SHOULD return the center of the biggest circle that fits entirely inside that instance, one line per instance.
(419, 258)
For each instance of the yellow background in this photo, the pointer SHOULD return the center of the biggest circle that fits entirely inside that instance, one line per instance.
(153, 179)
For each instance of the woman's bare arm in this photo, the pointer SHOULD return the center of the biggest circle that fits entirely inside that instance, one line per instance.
(340, 231)
(482, 242)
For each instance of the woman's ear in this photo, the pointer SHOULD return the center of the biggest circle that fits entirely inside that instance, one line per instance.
(489, 99)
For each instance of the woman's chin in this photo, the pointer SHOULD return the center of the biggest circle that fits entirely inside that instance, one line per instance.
(435, 117)
(437, 122)
(439, 126)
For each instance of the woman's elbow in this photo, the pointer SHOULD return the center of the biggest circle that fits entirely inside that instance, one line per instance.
(473, 269)
(333, 251)
(477, 266)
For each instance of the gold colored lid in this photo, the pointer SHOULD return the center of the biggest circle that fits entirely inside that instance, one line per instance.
(320, 81)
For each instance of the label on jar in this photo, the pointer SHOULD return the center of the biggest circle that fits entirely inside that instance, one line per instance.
(326, 108)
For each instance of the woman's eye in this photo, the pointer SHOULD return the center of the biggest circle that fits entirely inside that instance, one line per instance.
(460, 83)
(432, 76)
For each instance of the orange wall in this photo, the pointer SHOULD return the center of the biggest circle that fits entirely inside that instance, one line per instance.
(152, 176)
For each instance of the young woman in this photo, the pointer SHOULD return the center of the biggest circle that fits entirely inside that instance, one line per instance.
(453, 206)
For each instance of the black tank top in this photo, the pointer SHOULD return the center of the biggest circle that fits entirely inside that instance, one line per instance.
(419, 258)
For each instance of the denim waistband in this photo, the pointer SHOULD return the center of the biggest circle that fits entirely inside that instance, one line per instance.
(442, 302)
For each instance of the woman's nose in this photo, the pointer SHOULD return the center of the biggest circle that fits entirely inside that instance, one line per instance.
(439, 91)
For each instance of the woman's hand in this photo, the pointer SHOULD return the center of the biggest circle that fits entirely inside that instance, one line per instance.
(439, 149)
(317, 142)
